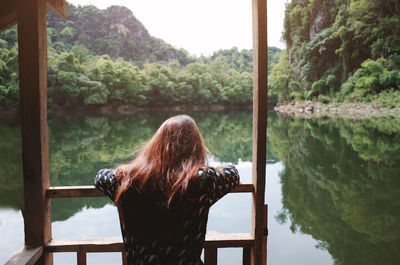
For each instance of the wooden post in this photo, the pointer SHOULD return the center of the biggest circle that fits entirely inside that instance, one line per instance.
(124, 259)
(246, 255)
(265, 246)
(260, 101)
(32, 45)
(210, 255)
(81, 258)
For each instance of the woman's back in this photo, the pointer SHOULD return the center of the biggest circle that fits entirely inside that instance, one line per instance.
(164, 195)
(159, 231)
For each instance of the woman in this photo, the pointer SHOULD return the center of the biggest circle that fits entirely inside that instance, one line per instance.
(164, 195)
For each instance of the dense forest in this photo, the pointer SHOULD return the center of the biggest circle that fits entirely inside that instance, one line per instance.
(340, 50)
(107, 57)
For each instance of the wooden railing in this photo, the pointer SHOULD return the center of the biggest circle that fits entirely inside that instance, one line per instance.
(81, 246)
(32, 58)
(26, 256)
(91, 191)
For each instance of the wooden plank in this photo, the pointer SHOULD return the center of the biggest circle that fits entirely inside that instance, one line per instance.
(32, 55)
(264, 245)
(115, 244)
(109, 244)
(260, 100)
(81, 258)
(26, 256)
(91, 191)
(8, 11)
(8, 14)
(59, 7)
(73, 192)
(246, 256)
(124, 259)
(243, 187)
(210, 255)
(222, 240)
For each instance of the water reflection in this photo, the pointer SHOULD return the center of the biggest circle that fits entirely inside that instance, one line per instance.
(79, 146)
(11, 186)
(340, 178)
(341, 185)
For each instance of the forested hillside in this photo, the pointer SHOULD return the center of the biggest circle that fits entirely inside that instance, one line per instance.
(107, 57)
(340, 50)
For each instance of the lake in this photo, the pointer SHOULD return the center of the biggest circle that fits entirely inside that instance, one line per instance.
(333, 185)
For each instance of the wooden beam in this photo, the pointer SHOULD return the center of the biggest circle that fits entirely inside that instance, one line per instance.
(260, 102)
(26, 256)
(264, 245)
(124, 258)
(81, 258)
(246, 256)
(210, 256)
(32, 56)
(115, 244)
(73, 192)
(220, 240)
(109, 244)
(91, 191)
(8, 14)
(59, 7)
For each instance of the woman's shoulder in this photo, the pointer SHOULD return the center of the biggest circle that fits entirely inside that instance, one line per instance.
(217, 181)
(221, 174)
(217, 172)
(105, 180)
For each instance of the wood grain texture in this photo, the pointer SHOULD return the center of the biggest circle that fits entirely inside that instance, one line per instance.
(26, 256)
(59, 7)
(81, 258)
(32, 56)
(91, 191)
(260, 102)
(8, 14)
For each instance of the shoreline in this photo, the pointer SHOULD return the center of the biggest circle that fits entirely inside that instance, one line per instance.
(128, 109)
(315, 109)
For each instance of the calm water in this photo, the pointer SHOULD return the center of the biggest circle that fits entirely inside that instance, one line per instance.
(333, 185)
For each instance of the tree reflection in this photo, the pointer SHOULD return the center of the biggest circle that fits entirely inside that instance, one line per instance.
(80, 146)
(341, 185)
(11, 185)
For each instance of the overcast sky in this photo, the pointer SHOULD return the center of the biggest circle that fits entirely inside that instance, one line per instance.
(201, 26)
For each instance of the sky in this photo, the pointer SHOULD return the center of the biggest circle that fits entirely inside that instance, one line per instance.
(201, 27)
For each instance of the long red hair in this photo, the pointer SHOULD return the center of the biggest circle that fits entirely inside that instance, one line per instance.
(168, 161)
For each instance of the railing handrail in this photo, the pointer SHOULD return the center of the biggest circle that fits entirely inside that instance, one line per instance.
(91, 191)
(26, 256)
(115, 244)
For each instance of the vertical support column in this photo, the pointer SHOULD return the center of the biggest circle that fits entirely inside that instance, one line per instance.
(246, 255)
(265, 246)
(210, 255)
(81, 258)
(260, 100)
(32, 43)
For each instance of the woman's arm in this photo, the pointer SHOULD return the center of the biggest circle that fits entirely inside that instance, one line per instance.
(221, 181)
(106, 182)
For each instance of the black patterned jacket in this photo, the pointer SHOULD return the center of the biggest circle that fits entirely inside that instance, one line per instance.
(154, 233)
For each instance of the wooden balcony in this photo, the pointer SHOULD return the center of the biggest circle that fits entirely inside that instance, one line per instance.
(30, 15)
(81, 246)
